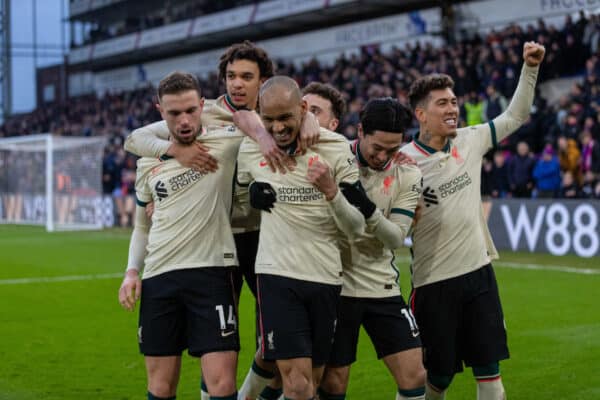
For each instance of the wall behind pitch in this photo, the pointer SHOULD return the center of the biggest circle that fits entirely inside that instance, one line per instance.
(557, 227)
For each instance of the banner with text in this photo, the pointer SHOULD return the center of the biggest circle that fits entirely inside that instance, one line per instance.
(557, 227)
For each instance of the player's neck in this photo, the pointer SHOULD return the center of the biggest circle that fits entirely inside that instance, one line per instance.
(437, 142)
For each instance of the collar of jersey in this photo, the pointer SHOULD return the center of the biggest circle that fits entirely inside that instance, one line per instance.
(429, 150)
(229, 104)
(361, 160)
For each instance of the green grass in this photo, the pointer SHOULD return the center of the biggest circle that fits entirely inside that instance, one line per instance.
(71, 340)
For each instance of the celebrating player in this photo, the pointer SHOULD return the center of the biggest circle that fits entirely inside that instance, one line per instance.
(298, 263)
(455, 297)
(187, 298)
(387, 196)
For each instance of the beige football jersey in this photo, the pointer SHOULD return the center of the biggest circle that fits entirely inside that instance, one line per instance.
(299, 237)
(151, 140)
(190, 225)
(369, 269)
(451, 237)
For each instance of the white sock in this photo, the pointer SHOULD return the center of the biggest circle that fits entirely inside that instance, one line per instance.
(432, 394)
(254, 383)
(490, 389)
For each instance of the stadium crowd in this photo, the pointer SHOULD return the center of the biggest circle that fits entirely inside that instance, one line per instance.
(555, 154)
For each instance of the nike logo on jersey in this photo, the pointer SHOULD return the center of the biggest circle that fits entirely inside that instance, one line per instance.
(225, 334)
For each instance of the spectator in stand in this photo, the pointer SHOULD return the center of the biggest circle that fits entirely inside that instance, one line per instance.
(590, 182)
(570, 189)
(546, 174)
(520, 170)
(494, 103)
(568, 156)
(500, 182)
(473, 109)
(590, 154)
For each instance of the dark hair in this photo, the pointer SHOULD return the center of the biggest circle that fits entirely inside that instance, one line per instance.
(177, 82)
(420, 89)
(246, 51)
(328, 92)
(385, 114)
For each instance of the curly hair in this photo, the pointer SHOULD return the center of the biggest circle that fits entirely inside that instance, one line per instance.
(420, 89)
(328, 92)
(246, 50)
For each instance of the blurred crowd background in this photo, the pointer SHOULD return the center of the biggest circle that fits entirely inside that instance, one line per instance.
(555, 154)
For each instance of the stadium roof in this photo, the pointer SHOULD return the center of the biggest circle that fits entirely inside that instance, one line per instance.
(339, 12)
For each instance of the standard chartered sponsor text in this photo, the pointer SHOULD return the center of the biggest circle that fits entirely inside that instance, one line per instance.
(298, 194)
(456, 184)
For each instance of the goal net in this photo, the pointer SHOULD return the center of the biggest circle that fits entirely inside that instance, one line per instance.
(52, 181)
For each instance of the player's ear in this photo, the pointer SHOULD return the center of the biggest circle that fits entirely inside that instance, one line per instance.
(159, 109)
(420, 115)
(333, 124)
(303, 107)
(361, 133)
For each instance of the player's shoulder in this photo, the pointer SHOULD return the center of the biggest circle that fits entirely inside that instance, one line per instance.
(145, 165)
(410, 149)
(409, 176)
(407, 171)
(466, 131)
(330, 141)
(158, 126)
(216, 113)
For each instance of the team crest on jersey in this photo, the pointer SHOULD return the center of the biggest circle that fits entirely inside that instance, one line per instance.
(388, 181)
(312, 160)
(263, 163)
(456, 156)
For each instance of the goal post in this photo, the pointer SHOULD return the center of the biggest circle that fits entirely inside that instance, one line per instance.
(52, 180)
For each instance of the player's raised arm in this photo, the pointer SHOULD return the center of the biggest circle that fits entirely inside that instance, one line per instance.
(519, 108)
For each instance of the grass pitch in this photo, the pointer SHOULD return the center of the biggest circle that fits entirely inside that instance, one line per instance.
(64, 335)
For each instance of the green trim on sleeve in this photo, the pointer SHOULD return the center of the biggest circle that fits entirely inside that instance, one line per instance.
(493, 132)
(141, 203)
(165, 157)
(403, 212)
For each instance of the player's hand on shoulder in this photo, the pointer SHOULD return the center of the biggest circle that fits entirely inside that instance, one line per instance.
(533, 53)
(309, 132)
(262, 196)
(130, 290)
(194, 156)
(357, 196)
(320, 176)
(401, 158)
